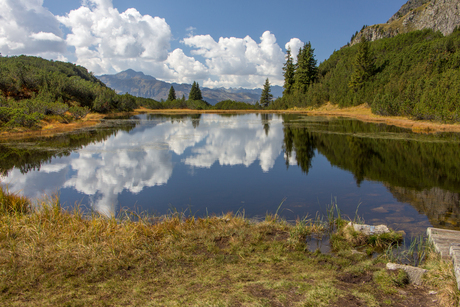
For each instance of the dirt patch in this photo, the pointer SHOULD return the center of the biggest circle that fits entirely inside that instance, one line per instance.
(276, 235)
(221, 242)
(258, 291)
(348, 301)
(355, 278)
(413, 296)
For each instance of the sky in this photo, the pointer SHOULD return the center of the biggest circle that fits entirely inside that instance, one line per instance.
(216, 43)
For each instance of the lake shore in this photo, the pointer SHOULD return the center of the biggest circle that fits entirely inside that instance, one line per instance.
(52, 257)
(361, 112)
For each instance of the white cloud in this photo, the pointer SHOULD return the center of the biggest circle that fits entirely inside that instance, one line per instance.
(186, 69)
(106, 41)
(295, 44)
(26, 27)
(239, 61)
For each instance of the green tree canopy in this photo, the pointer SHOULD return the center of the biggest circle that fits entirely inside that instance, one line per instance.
(363, 66)
(172, 94)
(289, 71)
(306, 71)
(266, 96)
(195, 92)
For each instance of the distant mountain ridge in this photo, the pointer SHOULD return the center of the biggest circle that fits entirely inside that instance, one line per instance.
(438, 15)
(141, 85)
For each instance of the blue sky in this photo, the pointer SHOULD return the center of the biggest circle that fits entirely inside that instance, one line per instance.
(230, 44)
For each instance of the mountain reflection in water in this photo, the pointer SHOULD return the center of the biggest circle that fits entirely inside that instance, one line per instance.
(216, 163)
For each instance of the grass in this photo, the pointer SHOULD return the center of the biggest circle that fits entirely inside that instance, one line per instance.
(51, 257)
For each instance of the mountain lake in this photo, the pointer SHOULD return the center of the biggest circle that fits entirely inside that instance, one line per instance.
(251, 164)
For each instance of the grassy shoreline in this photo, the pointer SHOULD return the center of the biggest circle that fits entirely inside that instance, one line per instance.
(53, 257)
(361, 112)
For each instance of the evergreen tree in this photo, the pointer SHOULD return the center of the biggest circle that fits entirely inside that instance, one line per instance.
(306, 71)
(172, 94)
(195, 92)
(363, 66)
(289, 71)
(266, 96)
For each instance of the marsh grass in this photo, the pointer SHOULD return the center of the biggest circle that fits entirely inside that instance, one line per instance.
(12, 203)
(53, 257)
(440, 276)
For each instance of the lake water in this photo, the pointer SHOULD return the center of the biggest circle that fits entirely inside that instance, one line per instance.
(213, 164)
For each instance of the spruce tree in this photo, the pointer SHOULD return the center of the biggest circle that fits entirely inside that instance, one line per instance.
(306, 69)
(195, 92)
(363, 66)
(172, 94)
(266, 96)
(289, 71)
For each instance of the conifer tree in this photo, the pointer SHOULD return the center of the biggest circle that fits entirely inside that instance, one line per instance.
(306, 69)
(266, 96)
(289, 71)
(172, 94)
(363, 66)
(195, 92)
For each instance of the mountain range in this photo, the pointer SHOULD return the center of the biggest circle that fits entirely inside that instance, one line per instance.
(141, 85)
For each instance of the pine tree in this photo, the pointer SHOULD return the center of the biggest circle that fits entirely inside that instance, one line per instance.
(172, 94)
(266, 96)
(363, 66)
(289, 71)
(195, 92)
(306, 69)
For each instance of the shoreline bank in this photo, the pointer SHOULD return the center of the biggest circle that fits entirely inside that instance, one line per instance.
(361, 112)
(182, 260)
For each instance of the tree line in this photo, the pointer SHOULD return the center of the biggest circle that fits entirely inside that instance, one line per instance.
(416, 74)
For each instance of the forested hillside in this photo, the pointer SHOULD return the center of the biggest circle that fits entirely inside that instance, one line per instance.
(414, 74)
(32, 88)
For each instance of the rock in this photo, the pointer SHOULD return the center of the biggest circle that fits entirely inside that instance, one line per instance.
(438, 15)
(354, 252)
(415, 274)
(368, 229)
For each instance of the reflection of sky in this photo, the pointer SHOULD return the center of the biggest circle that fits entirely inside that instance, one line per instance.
(143, 158)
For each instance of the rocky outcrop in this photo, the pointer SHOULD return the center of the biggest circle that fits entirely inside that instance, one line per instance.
(406, 8)
(438, 15)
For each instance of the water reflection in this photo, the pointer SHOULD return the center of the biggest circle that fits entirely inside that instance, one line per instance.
(251, 162)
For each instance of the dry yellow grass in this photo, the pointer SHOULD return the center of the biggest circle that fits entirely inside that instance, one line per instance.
(55, 258)
(363, 112)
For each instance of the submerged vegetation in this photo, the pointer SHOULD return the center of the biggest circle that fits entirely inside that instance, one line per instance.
(53, 257)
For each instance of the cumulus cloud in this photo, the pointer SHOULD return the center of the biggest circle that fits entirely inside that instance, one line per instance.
(240, 61)
(105, 41)
(294, 44)
(26, 27)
